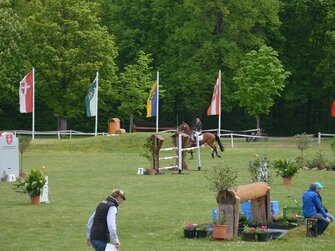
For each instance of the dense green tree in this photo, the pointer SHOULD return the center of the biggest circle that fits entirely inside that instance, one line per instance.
(133, 87)
(188, 42)
(307, 27)
(209, 36)
(260, 79)
(67, 46)
(10, 37)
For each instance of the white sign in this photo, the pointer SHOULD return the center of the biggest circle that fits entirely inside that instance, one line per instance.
(9, 154)
(45, 192)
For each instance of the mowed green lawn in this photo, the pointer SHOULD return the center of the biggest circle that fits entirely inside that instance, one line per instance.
(83, 171)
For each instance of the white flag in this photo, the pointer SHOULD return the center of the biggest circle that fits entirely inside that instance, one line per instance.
(91, 100)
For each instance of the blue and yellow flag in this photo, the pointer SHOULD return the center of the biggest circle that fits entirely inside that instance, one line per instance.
(152, 102)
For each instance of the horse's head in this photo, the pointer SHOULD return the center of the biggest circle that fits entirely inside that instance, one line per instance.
(184, 128)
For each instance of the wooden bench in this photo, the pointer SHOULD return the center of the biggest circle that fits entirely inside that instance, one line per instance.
(311, 227)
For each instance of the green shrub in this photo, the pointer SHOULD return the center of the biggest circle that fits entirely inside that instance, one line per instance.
(318, 161)
(302, 142)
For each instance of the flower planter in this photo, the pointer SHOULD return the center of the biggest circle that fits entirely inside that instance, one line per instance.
(287, 181)
(220, 232)
(190, 233)
(201, 233)
(152, 172)
(262, 236)
(248, 236)
(35, 200)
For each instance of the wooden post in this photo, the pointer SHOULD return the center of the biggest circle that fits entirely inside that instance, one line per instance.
(268, 207)
(158, 139)
(236, 215)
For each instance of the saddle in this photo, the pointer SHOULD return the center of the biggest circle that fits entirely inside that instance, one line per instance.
(199, 135)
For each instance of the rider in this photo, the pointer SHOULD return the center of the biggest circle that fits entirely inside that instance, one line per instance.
(197, 127)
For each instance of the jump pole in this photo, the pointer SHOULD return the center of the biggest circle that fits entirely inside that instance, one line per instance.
(180, 153)
(198, 146)
(181, 149)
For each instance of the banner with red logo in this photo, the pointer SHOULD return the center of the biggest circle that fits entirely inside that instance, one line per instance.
(26, 93)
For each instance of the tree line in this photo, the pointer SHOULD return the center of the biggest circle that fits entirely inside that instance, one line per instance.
(276, 59)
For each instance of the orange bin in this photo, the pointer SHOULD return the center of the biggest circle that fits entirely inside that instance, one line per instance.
(113, 125)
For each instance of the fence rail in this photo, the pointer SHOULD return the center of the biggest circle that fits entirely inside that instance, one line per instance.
(324, 134)
(59, 134)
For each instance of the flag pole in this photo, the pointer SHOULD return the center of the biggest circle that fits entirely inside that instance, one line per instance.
(33, 115)
(157, 103)
(96, 106)
(219, 126)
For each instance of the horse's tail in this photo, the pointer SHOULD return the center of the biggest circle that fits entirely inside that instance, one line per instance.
(217, 138)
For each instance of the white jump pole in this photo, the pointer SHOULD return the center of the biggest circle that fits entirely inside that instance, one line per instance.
(198, 148)
(319, 138)
(180, 153)
(232, 140)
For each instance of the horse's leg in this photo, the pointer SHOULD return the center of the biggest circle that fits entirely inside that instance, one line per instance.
(214, 150)
(191, 152)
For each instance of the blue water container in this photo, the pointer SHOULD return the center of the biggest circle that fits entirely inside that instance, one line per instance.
(246, 208)
(275, 207)
(215, 215)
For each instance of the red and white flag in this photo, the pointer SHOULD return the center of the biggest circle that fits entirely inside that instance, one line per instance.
(26, 93)
(214, 108)
(333, 109)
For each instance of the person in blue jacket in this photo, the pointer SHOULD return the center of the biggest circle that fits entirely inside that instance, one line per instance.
(312, 207)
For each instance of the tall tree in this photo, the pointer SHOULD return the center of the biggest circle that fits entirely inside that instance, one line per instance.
(260, 79)
(67, 46)
(133, 87)
(11, 31)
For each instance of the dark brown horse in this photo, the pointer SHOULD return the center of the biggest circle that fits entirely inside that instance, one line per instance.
(207, 137)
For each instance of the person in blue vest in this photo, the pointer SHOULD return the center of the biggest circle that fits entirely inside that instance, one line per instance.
(101, 226)
(312, 208)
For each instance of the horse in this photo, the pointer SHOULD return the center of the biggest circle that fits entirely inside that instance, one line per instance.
(207, 137)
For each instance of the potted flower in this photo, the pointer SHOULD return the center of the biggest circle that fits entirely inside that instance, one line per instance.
(222, 179)
(190, 230)
(286, 169)
(248, 233)
(261, 233)
(202, 231)
(32, 185)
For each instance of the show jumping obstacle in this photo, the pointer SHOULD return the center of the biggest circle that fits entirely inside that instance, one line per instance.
(180, 149)
(258, 193)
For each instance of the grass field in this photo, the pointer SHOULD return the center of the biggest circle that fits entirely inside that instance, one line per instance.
(83, 171)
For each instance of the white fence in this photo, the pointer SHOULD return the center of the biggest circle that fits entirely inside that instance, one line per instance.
(59, 134)
(253, 134)
(325, 135)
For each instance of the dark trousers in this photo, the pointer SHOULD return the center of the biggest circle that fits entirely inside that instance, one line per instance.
(99, 245)
(322, 224)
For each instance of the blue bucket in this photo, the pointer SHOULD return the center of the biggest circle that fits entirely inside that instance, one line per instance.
(274, 207)
(246, 209)
(215, 215)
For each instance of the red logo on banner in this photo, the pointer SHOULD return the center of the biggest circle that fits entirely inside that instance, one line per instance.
(9, 138)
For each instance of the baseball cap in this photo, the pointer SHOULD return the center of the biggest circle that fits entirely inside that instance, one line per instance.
(318, 185)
